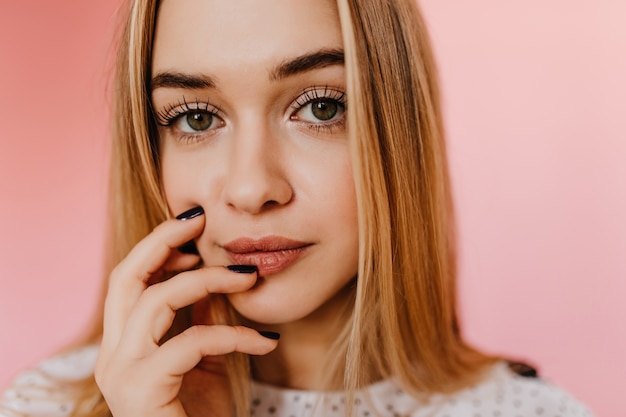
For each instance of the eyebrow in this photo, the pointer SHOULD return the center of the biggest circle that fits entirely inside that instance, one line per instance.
(307, 62)
(180, 80)
(290, 67)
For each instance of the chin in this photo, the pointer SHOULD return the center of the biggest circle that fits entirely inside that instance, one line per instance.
(269, 309)
(276, 301)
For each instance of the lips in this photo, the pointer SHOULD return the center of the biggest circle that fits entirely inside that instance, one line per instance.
(270, 254)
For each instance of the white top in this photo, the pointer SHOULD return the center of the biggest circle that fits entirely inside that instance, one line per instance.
(501, 394)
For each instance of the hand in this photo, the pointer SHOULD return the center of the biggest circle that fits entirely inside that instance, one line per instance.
(137, 375)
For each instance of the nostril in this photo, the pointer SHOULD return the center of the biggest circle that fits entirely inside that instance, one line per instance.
(257, 193)
(272, 203)
(256, 182)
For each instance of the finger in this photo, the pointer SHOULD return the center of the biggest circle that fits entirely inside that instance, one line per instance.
(128, 281)
(181, 353)
(155, 311)
(181, 262)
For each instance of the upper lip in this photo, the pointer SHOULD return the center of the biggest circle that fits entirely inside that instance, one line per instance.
(264, 244)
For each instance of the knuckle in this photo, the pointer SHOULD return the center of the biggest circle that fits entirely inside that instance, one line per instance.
(148, 300)
(154, 296)
(98, 375)
(193, 332)
(101, 376)
(115, 275)
(161, 227)
(152, 291)
(239, 331)
(239, 338)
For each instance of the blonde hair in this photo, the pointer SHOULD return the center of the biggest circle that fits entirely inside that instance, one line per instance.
(405, 315)
(404, 322)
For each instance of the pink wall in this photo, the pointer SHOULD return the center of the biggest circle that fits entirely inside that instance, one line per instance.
(52, 171)
(535, 96)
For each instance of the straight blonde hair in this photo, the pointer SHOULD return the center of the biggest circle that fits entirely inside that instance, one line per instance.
(405, 320)
(403, 323)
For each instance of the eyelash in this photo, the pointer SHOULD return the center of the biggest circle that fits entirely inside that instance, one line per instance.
(313, 94)
(171, 113)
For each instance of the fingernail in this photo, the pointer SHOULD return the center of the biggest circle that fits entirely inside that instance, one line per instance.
(189, 248)
(191, 213)
(269, 335)
(242, 269)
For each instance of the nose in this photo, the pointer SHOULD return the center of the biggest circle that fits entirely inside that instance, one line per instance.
(256, 180)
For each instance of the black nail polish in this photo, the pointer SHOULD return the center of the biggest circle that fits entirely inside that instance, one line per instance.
(191, 213)
(189, 248)
(242, 269)
(269, 335)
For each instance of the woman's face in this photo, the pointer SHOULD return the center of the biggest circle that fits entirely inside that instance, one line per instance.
(250, 101)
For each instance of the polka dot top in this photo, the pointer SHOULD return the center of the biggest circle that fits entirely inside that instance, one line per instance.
(502, 393)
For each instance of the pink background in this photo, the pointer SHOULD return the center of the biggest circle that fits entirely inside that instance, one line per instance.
(535, 100)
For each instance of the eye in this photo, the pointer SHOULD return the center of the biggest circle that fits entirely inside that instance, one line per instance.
(325, 109)
(195, 121)
(320, 106)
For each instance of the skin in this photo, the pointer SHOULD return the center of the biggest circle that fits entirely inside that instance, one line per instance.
(264, 164)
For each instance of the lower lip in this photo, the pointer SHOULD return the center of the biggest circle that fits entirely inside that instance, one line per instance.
(268, 263)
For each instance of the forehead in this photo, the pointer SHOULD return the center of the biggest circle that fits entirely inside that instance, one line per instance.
(206, 35)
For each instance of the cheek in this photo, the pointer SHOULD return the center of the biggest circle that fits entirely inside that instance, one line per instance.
(336, 215)
(339, 195)
(182, 175)
(175, 183)
(326, 175)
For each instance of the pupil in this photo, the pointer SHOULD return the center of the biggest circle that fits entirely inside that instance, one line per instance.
(324, 110)
(199, 121)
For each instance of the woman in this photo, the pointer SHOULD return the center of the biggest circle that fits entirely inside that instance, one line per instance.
(281, 214)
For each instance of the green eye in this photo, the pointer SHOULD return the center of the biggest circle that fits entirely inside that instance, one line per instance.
(324, 109)
(320, 108)
(199, 121)
(321, 111)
